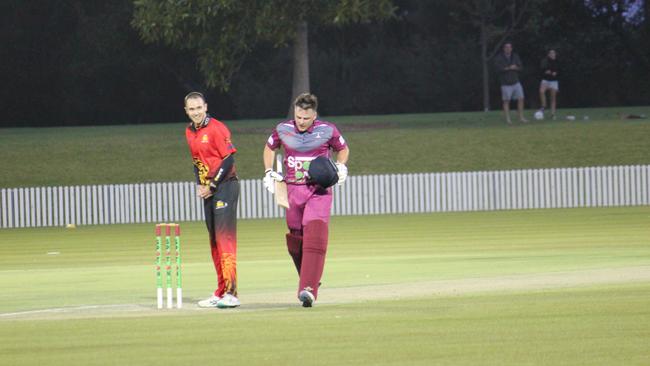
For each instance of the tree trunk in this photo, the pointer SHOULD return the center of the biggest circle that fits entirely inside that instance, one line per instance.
(646, 22)
(300, 64)
(646, 14)
(484, 64)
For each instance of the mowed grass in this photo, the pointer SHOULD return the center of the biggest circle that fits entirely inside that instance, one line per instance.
(594, 324)
(379, 144)
(588, 326)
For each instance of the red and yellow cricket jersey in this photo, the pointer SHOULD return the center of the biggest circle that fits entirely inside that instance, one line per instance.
(209, 145)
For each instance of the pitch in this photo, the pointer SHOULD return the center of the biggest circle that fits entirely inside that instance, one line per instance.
(505, 288)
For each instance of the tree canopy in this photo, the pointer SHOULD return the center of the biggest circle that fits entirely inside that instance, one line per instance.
(77, 62)
(223, 32)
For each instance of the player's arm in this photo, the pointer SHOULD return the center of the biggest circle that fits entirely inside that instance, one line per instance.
(342, 159)
(270, 175)
(201, 190)
(225, 148)
(343, 156)
(222, 172)
(268, 157)
(338, 144)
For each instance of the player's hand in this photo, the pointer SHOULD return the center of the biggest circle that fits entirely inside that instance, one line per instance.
(270, 177)
(342, 171)
(203, 191)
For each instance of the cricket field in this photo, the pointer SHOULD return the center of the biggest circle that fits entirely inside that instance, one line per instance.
(534, 287)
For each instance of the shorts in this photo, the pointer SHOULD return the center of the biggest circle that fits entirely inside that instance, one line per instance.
(548, 84)
(512, 92)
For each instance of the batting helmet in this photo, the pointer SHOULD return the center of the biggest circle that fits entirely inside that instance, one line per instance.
(323, 172)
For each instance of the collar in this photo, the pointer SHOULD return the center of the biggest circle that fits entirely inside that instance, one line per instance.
(205, 122)
(309, 130)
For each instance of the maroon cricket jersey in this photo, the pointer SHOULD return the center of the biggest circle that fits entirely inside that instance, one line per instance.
(302, 147)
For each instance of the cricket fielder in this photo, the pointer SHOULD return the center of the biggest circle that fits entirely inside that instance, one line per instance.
(303, 139)
(218, 186)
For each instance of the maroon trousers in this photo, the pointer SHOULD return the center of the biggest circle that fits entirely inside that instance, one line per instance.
(308, 218)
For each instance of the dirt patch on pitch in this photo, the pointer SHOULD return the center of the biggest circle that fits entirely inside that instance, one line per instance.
(336, 296)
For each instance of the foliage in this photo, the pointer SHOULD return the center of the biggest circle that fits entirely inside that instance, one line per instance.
(76, 62)
(223, 32)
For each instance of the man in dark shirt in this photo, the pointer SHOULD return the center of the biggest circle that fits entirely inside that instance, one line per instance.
(508, 65)
(549, 82)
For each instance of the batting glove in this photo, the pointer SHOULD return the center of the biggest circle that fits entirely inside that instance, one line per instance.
(270, 177)
(342, 172)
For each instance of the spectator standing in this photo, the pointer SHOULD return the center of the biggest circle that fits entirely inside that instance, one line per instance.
(508, 65)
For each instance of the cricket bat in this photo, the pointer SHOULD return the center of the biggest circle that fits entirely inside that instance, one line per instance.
(281, 197)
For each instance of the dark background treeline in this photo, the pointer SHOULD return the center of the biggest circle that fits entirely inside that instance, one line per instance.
(76, 62)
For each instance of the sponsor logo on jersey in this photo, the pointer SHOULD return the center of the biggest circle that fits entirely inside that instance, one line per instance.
(299, 163)
(204, 139)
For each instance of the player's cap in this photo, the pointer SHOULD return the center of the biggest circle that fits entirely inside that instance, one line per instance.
(323, 172)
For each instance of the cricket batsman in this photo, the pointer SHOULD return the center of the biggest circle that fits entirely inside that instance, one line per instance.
(310, 197)
(217, 184)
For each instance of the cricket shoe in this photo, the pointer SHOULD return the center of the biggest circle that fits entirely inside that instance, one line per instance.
(210, 302)
(306, 297)
(228, 301)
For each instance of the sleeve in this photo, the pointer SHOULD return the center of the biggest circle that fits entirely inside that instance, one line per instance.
(518, 62)
(273, 141)
(337, 142)
(222, 141)
(222, 172)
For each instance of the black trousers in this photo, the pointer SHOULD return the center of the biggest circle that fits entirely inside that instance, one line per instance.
(221, 220)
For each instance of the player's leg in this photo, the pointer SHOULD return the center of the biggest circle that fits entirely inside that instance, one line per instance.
(294, 246)
(315, 239)
(224, 208)
(553, 92)
(505, 97)
(520, 110)
(542, 94)
(209, 222)
(216, 260)
(297, 197)
(519, 95)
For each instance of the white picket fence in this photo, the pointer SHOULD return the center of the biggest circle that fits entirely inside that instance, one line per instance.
(361, 195)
